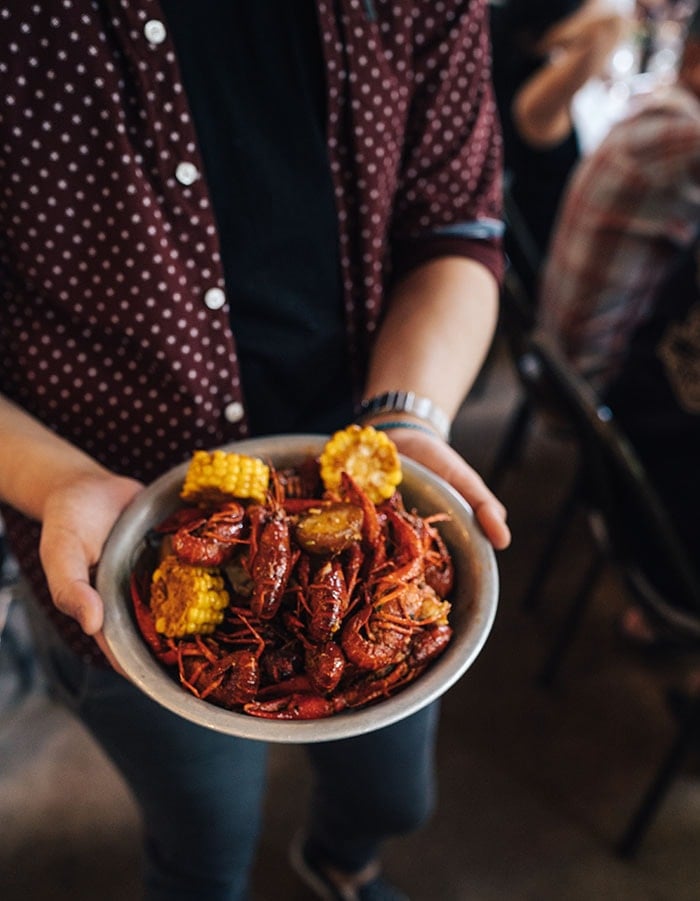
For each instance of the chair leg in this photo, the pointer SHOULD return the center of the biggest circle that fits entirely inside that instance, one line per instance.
(569, 627)
(642, 817)
(512, 442)
(548, 554)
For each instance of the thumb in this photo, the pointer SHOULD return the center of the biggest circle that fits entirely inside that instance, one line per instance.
(67, 570)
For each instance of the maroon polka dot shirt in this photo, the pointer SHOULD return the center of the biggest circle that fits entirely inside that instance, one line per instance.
(114, 324)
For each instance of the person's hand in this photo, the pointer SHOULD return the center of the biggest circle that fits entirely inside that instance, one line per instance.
(592, 32)
(444, 461)
(77, 519)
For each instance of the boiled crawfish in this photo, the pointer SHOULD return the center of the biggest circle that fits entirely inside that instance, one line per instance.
(301, 701)
(324, 661)
(226, 677)
(270, 558)
(337, 601)
(203, 538)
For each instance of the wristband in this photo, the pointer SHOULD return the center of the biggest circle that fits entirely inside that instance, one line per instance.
(405, 424)
(408, 402)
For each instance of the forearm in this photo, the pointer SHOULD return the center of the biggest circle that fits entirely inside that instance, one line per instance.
(438, 328)
(75, 498)
(34, 461)
(433, 341)
(542, 108)
(579, 51)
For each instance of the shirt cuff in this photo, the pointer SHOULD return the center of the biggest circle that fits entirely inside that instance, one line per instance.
(413, 253)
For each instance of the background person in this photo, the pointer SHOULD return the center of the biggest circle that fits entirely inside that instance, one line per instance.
(544, 51)
(620, 290)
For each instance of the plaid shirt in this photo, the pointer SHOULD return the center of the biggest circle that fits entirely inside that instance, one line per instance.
(114, 316)
(631, 208)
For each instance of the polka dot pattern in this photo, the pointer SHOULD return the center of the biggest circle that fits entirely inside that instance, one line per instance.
(424, 149)
(108, 254)
(114, 314)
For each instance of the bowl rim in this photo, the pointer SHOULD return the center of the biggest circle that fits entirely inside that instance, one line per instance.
(125, 642)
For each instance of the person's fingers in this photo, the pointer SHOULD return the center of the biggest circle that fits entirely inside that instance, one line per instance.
(77, 519)
(491, 518)
(490, 513)
(470, 484)
(67, 571)
(79, 600)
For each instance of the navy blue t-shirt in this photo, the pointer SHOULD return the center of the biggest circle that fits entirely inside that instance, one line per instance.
(254, 77)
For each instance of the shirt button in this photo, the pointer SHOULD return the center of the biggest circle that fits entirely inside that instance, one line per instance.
(214, 298)
(186, 173)
(154, 31)
(233, 412)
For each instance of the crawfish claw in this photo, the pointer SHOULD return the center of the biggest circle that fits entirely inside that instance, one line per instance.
(299, 706)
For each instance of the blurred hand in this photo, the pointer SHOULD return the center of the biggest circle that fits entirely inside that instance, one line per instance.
(78, 517)
(444, 461)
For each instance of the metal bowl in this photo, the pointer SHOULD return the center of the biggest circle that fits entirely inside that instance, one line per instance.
(474, 602)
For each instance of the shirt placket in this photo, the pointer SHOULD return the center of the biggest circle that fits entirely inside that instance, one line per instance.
(350, 30)
(185, 196)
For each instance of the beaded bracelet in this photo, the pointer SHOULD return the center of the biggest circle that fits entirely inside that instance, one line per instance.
(405, 424)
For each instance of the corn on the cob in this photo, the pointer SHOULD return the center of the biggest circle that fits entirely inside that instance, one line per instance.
(186, 600)
(369, 457)
(217, 476)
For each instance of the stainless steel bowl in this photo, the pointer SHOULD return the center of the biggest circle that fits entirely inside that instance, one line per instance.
(474, 602)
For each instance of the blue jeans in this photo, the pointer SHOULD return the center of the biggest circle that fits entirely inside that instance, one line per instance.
(200, 791)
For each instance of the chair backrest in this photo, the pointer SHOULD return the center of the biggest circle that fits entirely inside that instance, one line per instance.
(523, 255)
(641, 537)
(518, 297)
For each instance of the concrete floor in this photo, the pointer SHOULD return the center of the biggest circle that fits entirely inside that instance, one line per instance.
(535, 784)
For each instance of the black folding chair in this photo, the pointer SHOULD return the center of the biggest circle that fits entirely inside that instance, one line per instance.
(517, 320)
(521, 247)
(632, 531)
